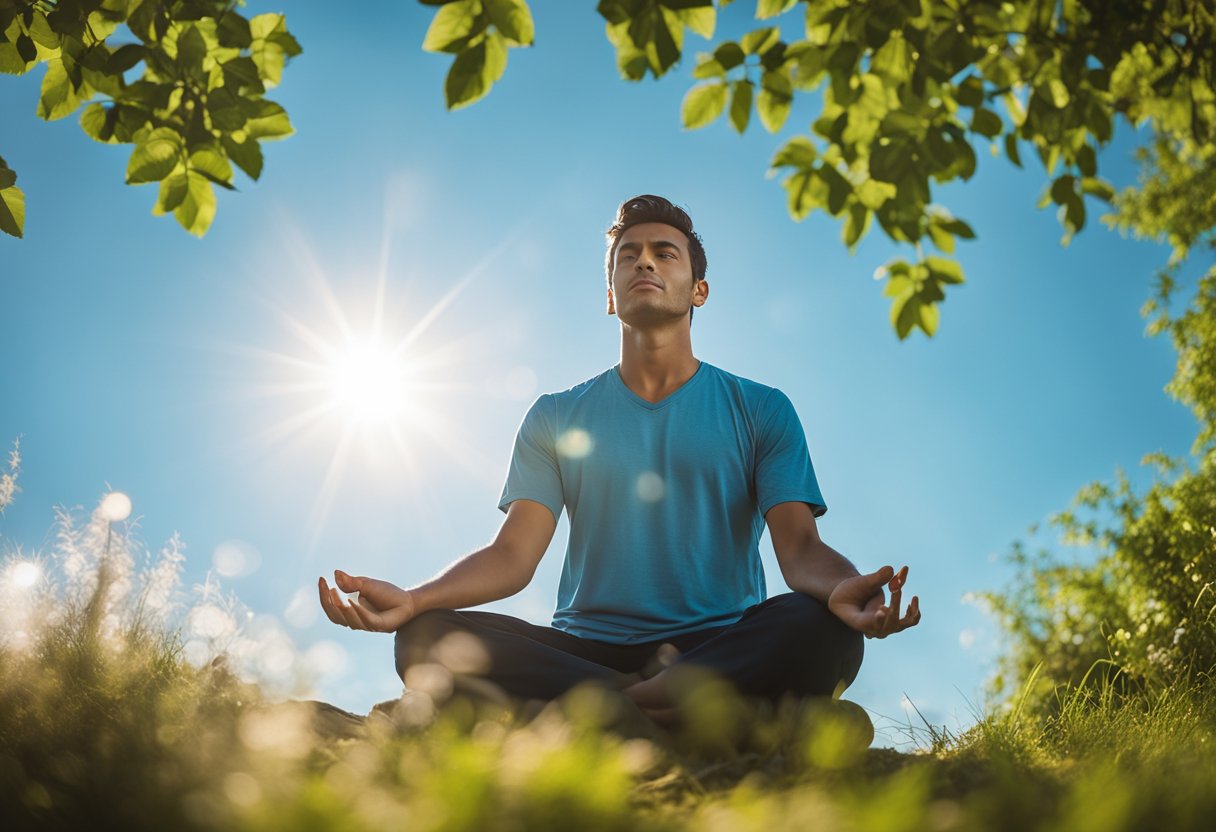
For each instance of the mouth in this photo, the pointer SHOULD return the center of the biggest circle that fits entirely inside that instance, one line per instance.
(640, 284)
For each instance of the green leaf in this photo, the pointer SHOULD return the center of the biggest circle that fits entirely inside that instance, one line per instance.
(943, 270)
(890, 162)
(1011, 149)
(173, 190)
(12, 211)
(266, 120)
(155, 156)
(234, 31)
(930, 316)
(1062, 189)
(98, 122)
(698, 15)
(1074, 215)
(475, 71)
(11, 62)
(839, 188)
(58, 97)
(191, 50)
(197, 208)
(271, 46)
(760, 41)
(225, 110)
(872, 193)
(941, 238)
(1087, 161)
(707, 67)
(729, 55)
(970, 93)
(905, 313)
(1057, 93)
(247, 155)
(42, 32)
(773, 109)
(454, 26)
(798, 152)
(741, 104)
(513, 18)
(1099, 188)
(241, 75)
(771, 8)
(703, 103)
(805, 191)
(211, 163)
(856, 223)
(125, 57)
(27, 49)
(986, 123)
(956, 227)
(892, 61)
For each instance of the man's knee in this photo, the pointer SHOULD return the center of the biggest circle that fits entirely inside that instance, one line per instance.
(815, 636)
(415, 638)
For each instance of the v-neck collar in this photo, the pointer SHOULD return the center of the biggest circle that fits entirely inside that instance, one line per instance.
(663, 402)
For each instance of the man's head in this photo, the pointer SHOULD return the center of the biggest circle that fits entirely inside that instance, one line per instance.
(636, 235)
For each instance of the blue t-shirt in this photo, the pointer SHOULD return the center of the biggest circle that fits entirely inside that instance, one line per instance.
(666, 499)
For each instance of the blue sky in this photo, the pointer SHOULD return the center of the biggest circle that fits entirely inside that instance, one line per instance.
(142, 359)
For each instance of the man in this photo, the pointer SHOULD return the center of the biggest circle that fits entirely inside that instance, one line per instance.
(668, 469)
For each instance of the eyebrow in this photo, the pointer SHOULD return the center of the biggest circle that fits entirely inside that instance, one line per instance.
(664, 244)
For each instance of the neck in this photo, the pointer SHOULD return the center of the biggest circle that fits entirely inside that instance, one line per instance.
(655, 362)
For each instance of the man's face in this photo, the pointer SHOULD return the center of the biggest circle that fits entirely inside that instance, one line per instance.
(652, 275)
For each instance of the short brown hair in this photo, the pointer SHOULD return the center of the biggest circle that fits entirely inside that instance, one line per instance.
(650, 208)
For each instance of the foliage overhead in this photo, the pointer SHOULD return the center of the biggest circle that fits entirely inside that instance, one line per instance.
(906, 88)
(186, 88)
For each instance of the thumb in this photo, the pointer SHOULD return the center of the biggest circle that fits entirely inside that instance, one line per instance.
(347, 583)
(882, 575)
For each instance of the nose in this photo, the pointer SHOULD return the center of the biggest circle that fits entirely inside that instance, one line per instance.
(644, 261)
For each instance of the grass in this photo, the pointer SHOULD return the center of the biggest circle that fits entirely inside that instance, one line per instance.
(104, 723)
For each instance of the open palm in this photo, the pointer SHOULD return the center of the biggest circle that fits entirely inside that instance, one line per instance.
(381, 607)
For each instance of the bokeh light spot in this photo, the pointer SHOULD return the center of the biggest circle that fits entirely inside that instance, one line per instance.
(236, 559)
(115, 507)
(575, 443)
(24, 574)
(650, 487)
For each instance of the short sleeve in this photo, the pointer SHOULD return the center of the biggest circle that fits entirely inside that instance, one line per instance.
(784, 472)
(534, 473)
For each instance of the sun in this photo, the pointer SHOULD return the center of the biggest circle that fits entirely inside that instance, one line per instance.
(369, 383)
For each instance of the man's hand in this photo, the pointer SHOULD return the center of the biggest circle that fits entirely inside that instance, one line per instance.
(858, 602)
(381, 607)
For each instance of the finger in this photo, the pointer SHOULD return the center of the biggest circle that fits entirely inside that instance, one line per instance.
(367, 618)
(881, 576)
(347, 583)
(327, 603)
(879, 625)
(344, 609)
(899, 580)
(912, 617)
(893, 607)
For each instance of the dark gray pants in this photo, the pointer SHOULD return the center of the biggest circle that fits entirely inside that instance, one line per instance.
(789, 644)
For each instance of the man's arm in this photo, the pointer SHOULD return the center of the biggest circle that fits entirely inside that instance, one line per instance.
(814, 568)
(498, 570)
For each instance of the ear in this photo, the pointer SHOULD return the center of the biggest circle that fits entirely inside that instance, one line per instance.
(700, 293)
(611, 304)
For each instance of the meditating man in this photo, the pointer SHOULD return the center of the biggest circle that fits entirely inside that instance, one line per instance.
(668, 469)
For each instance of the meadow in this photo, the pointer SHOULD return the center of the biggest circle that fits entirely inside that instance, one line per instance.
(111, 716)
